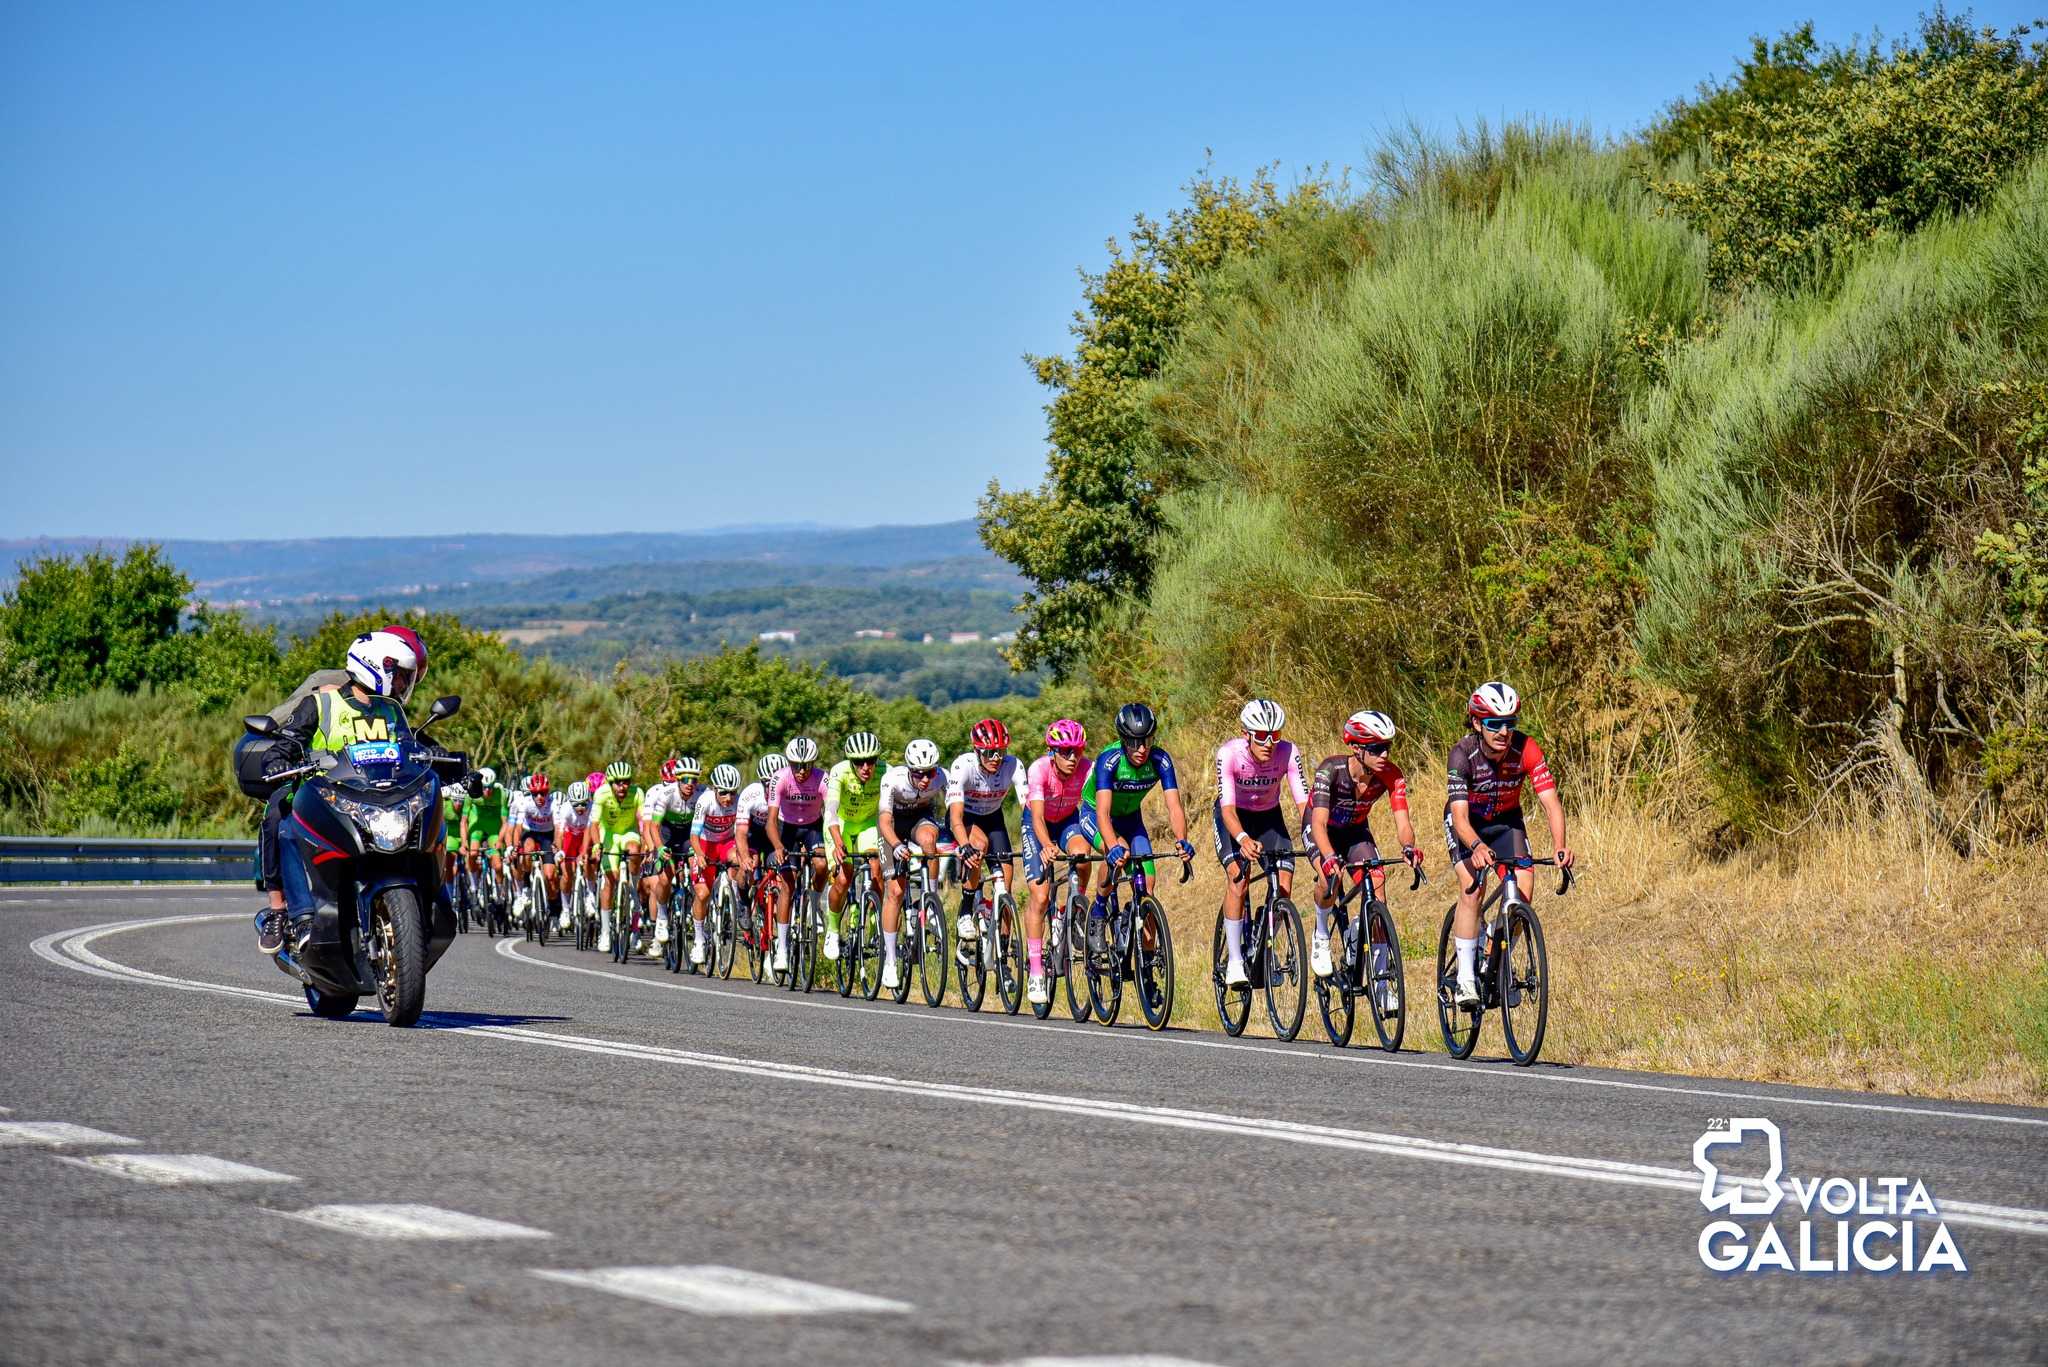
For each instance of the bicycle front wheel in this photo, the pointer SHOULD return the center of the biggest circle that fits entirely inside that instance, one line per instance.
(1524, 986)
(975, 958)
(1386, 995)
(1152, 963)
(864, 944)
(1286, 972)
(1233, 1004)
(1008, 953)
(1075, 954)
(933, 955)
(1335, 1001)
(1460, 1024)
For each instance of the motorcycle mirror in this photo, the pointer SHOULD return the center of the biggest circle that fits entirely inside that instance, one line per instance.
(444, 707)
(262, 724)
(327, 759)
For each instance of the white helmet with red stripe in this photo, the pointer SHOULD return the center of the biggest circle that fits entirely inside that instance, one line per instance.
(1494, 699)
(384, 663)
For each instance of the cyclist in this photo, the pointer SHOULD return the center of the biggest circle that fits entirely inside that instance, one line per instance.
(615, 826)
(1483, 812)
(453, 799)
(572, 831)
(796, 818)
(851, 793)
(483, 822)
(983, 778)
(1249, 769)
(754, 814)
(1052, 822)
(532, 822)
(1345, 788)
(711, 832)
(909, 808)
(665, 817)
(1113, 800)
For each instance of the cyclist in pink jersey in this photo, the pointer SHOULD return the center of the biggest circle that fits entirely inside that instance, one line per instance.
(796, 820)
(1052, 822)
(1249, 773)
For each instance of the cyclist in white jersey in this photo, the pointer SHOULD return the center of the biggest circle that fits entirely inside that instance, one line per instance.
(910, 806)
(665, 817)
(983, 779)
(531, 819)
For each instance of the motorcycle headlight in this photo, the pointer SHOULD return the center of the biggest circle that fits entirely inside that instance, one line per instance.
(388, 828)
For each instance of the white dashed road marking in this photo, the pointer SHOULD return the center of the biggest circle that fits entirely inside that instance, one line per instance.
(411, 1222)
(55, 1134)
(1130, 1360)
(713, 1290)
(177, 1169)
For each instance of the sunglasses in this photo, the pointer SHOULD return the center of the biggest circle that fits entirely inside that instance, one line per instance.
(991, 754)
(923, 775)
(1264, 737)
(865, 763)
(1067, 751)
(1373, 747)
(1498, 723)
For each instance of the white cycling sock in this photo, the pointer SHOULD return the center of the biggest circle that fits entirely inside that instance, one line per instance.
(782, 937)
(1322, 923)
(1233, 936)
(889, 946)
(1467, 951)
(704, 932)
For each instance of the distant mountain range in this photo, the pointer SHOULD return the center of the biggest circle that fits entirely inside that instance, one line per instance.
(491, 566)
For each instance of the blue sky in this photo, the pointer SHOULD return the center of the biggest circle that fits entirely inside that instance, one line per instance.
(294, 269)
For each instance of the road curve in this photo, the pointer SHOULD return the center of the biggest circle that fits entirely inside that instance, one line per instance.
(576, 1162)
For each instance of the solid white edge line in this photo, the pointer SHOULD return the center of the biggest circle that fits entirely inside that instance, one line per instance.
(510, 949)
(175, 1169)
(2017, 1219)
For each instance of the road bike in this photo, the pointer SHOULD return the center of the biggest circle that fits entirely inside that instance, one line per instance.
(1137, 946)
(494, 890)
(1513, 969)
(582, 907)
(539, 908)
(923, 941)
(1066, 946)
(860, 934)
(1366, 961)
(751, 907)
(999, 943)
(1275, 955)
(806, 924)
(625, 918)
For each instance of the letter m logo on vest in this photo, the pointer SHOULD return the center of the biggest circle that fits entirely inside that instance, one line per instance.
(343, 723)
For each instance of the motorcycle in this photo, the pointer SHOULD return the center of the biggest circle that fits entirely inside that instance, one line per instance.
(367, 823)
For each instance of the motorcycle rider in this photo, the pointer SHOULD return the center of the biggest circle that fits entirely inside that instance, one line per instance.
(270, 922)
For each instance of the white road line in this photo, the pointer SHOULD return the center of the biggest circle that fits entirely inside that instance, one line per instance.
(713, 1290)
(2017, 1219)
(51, 1134)
(410, 1222)
(177, 1169)
(1147, 1039)
(1127, 1360)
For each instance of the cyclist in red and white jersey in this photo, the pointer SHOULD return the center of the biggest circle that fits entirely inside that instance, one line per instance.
(713, 827)
(796, 821)
(531, 820)
(1345, 790)
(910, 805)
(572, 821)
(984, 778)
(1483, 812)
(1249, 773)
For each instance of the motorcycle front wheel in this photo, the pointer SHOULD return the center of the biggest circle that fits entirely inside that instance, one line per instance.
(399, 956)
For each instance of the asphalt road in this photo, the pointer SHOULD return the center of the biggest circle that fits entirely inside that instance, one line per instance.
(801, 1179)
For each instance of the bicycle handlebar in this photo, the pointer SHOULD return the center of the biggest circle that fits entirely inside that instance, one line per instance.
(1187, 861)
(1564, 882)
(1370, 864)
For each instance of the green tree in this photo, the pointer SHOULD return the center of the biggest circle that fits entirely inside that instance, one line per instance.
(1777, 72)
(98, 622)
(1087, 533)
(229, 657)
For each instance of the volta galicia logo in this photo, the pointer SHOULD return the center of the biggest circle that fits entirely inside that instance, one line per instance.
(1862, 1224)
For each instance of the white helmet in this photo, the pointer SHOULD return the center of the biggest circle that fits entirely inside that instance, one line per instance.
(1494, 699)
(384, 663)
(1262, 714)
(579, 793)
(725, 778)
(921, 754)
(768, 767)
(802, 750)
(1362, 728)
(488, 776)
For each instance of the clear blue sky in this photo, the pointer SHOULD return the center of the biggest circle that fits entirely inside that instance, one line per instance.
(545, 267)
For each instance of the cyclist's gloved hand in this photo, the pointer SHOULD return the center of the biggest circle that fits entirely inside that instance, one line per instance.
(903, 850)
(1564, 857)
(1117, 854)
(1332, 866)
(278, 764)
(1412, 855)
(1187, 850)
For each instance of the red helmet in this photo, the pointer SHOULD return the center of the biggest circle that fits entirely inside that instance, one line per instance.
(989, 734)
(419, 647)
(538, 785)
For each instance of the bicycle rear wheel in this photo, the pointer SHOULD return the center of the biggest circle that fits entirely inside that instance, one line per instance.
(724, 939)
(1008, 954)
(1233, 1004)
(864, 944)
(907, 946)
(1074, 953)
(1336, 1002)
(1524, 986)
(1152, 964)
(1286, 972)
(803, 959)
(974, 957)
(1054, 963)
(934, 957)
(1386, 995)
(1460, 1024)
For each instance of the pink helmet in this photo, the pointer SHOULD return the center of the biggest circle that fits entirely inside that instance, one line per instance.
(1066, 734)
(595, 778)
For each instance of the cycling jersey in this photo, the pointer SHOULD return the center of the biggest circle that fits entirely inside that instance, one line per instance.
(1127, 782)
(1245, 782)
(486, 816)
(1349, 803)
(673, 803)
(754, 807)
(909, 803)
(613, 817)
(453, 800)
(1061, 796)
(799, 803)
(849, 803)
(713, 822)
(981, 792)
(566, 819)
(1490, 788)
(530, 813)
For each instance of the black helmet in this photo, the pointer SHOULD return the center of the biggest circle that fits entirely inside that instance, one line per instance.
(1135, 722)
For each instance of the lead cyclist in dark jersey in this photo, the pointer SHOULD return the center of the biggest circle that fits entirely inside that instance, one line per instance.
(1341, 801)
(1113, 800)
(1483, 812)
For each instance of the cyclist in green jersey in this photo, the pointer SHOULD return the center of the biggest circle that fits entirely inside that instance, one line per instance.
(853, 792)
(1113, 800)
(483, 822)
(615, 827)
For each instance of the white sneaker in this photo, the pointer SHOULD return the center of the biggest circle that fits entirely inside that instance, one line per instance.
(831, 944)
(604, 941)
(1468, 991)
(966, 927)
(1234, 974)
(1390, 997)
(696, 951)
(782, 958)
(1036, 991)
(890, 978)
(1319, 956)
(519, 904)
(562, 924)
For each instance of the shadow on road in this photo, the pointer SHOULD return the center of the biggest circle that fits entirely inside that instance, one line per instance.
(446, 1020)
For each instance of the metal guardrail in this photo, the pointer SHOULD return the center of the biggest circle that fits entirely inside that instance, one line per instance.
(83, 859)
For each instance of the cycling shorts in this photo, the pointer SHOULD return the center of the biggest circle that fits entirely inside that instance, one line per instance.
(907, 826)
(571, 842)
(1129, 828)
(618, 844)
(757, 840)
(867, 841)
(990, 824)
(809, 835)
(717, 854)
(1063, 835)
(1354, 844)
(675, 838)
(544, 843)
(1507, 838)
(1269, 828)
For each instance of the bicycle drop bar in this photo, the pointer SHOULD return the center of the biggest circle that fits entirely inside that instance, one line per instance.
(1501, 866)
